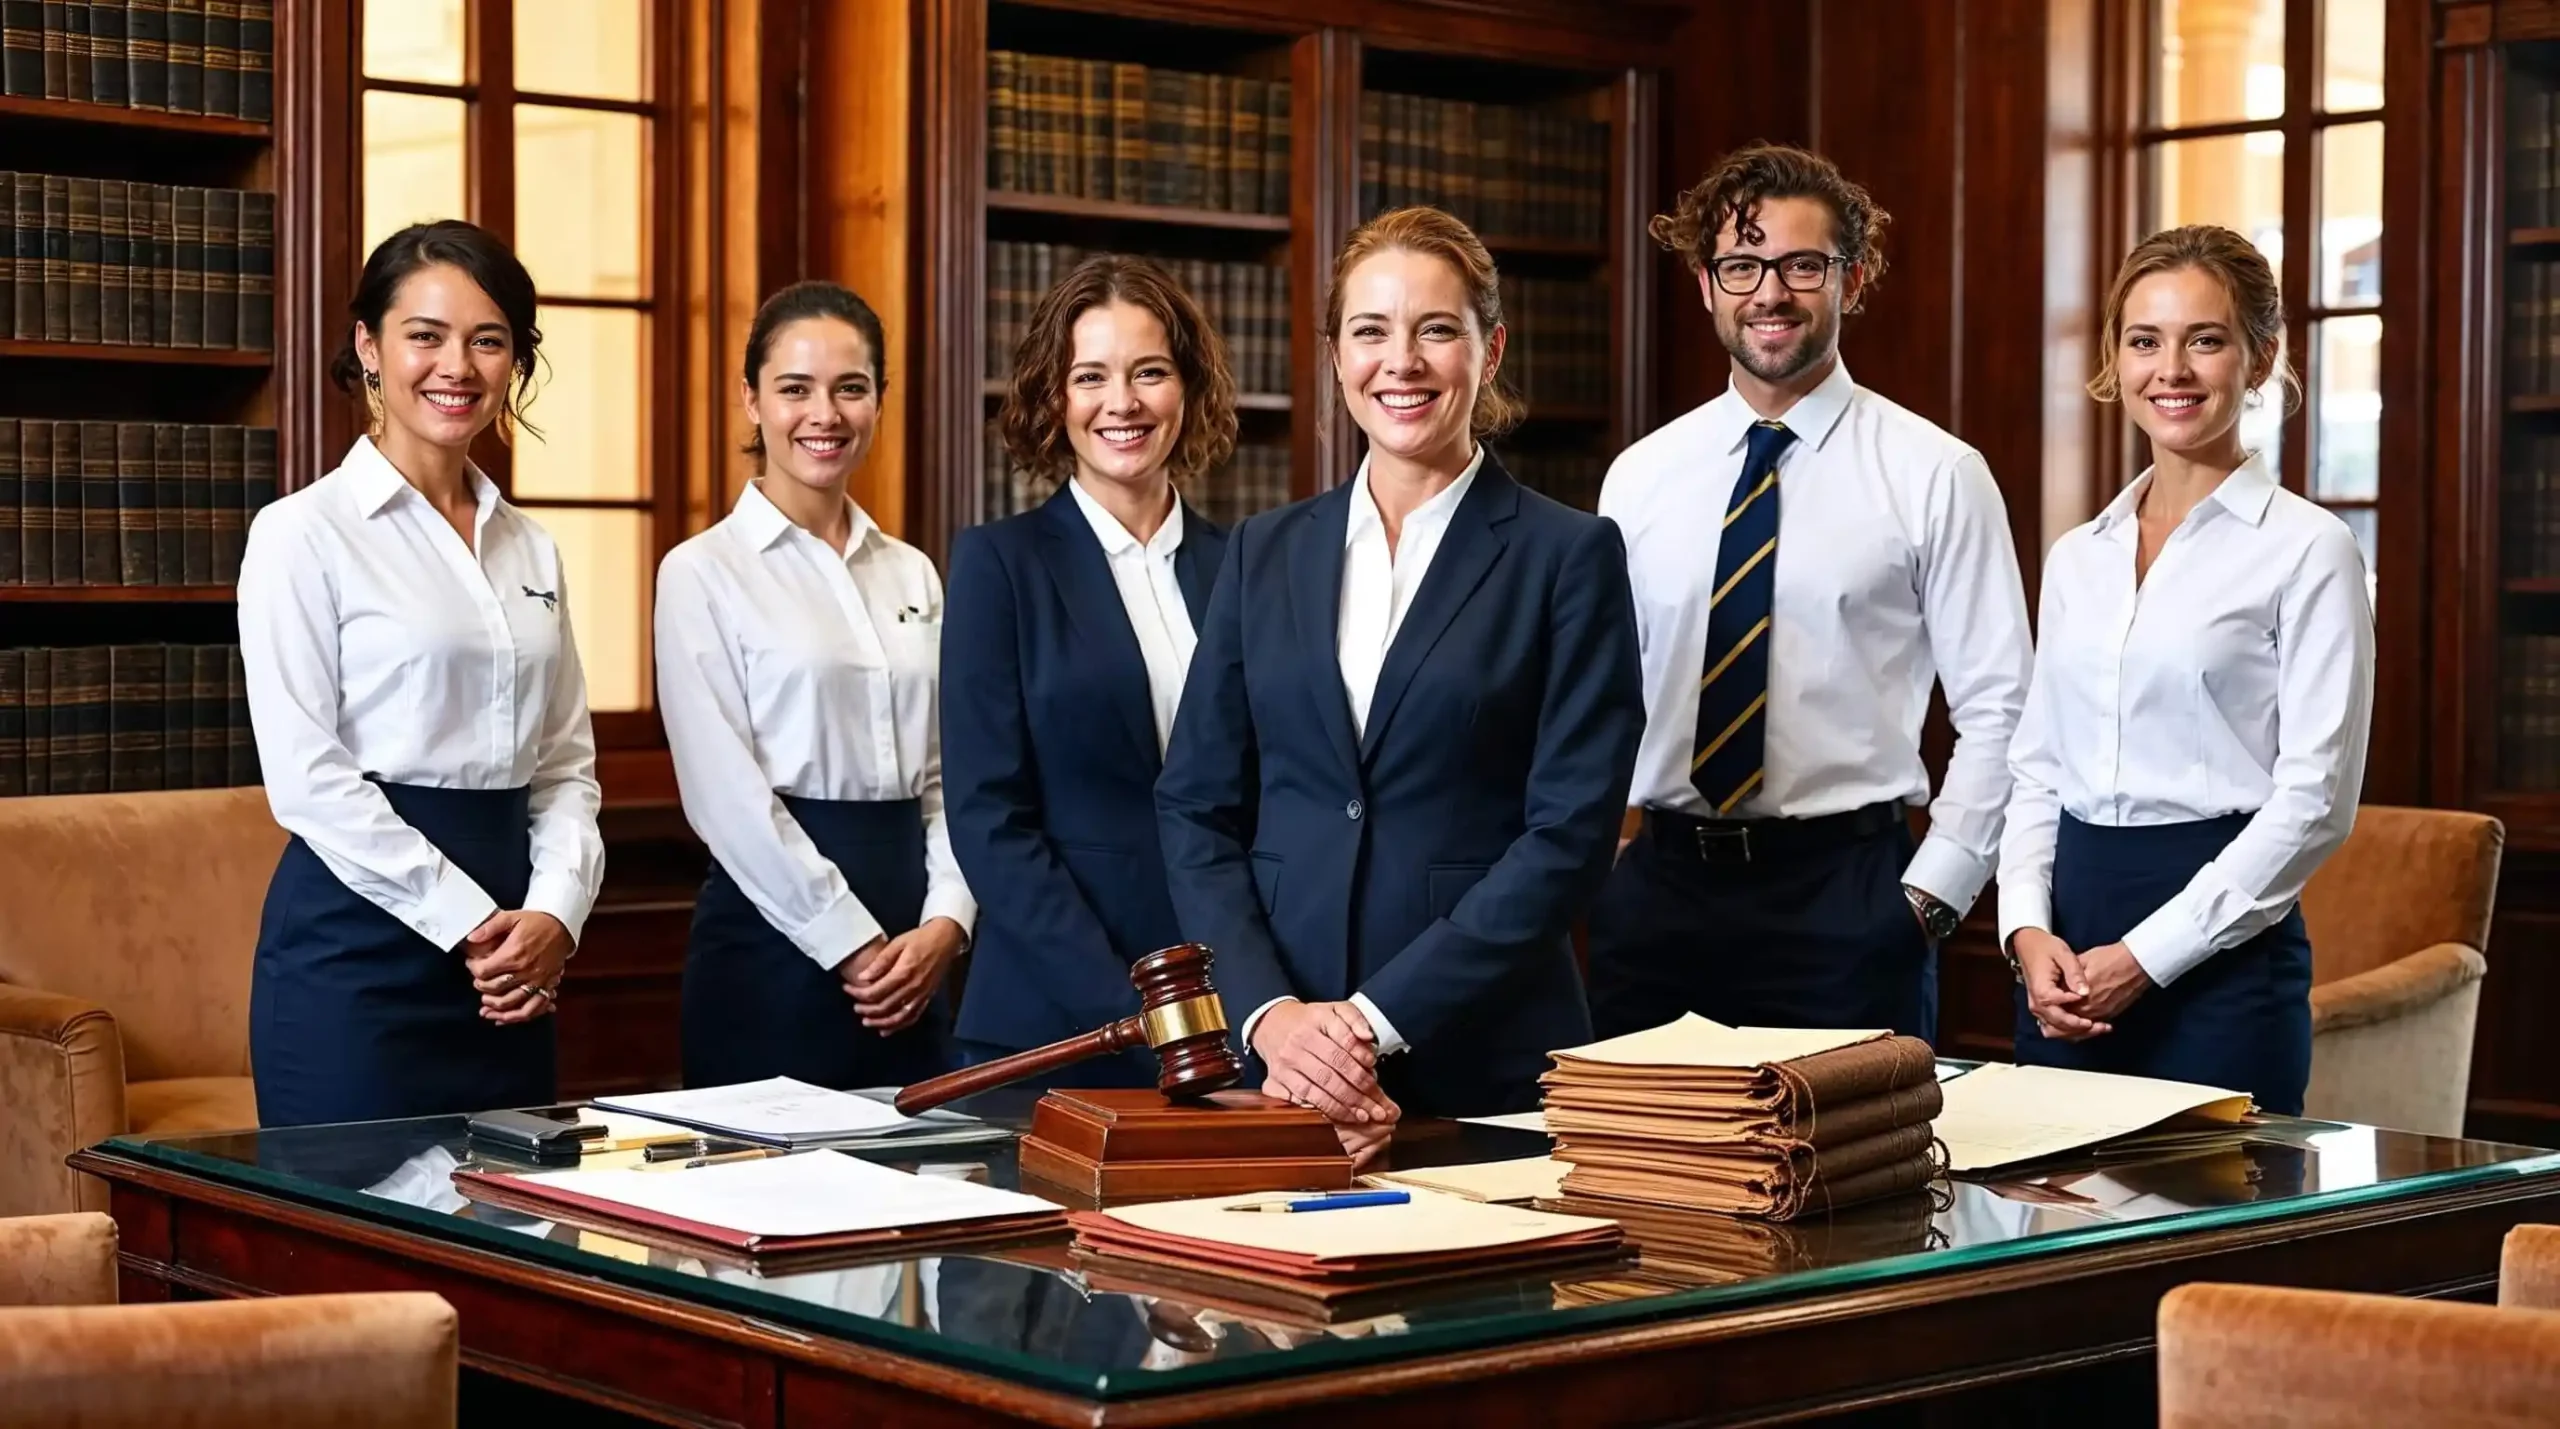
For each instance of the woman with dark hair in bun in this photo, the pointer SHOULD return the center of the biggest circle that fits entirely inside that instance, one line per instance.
(798, 671)
(421, 719)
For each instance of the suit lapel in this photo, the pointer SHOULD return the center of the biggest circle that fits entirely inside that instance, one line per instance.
(1082, 574)
(1473, 543)
(1195, 562)
(1315, 599)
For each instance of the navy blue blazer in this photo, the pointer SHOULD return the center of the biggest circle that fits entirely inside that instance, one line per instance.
(1048, 771)
(1437, 863)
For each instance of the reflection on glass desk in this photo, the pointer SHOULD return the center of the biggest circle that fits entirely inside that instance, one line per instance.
(1029, 1313)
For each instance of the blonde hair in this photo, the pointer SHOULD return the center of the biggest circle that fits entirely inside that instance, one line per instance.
(1434, 234)
(2235, 263)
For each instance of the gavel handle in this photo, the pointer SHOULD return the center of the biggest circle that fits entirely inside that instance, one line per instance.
(986, 1076)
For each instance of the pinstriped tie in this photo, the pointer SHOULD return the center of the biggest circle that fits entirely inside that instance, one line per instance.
(1733, 697)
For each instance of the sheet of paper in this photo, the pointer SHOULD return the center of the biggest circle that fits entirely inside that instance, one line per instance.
(808, 1193)
(1694, 1041)
(1429, 1223)
(1516, 1120)
(778, 1109)
(1530, 1178)
(1998, 1113)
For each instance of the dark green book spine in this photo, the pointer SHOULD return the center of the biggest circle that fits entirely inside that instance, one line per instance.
(12, 486)
(35, 501)
(92, 687)
(186, 267)
(195, 445)
(109, 82)
(85, 298)
(168, 505)
(115, 256)
(186, 56)
(137, 519)
(8, 250)
(146, 50)
(57, 30)
(22, 48)
(258, 477)
(67, 503)
(240, 745)
(258, 272)
(209, 716)
(13, 723)
(62, 723)
(222, 268)
(101, 547)
(57, 258)
(177, 714)
(134, 729)
(222, 58)
(38, 725)
(230, 530)
(163, 295)
(75, 51)
(258, 60)
(27, 321)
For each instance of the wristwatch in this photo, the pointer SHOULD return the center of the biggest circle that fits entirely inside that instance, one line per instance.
(1936, 919)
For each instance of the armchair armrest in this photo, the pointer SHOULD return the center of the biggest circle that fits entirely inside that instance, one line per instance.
(61, 1088)
(2529, 1268)
(2395, 989)
(58, 1260)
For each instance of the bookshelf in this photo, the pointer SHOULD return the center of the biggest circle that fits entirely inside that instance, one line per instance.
(139, 389)
(1240, 144)
(2524, 610)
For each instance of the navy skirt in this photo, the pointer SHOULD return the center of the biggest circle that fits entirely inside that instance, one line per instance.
(2239, 1019)
(354, 1017)
(755, 1006)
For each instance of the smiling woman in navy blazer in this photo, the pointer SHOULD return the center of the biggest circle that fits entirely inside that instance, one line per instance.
(1065, 640)
(1409, 729)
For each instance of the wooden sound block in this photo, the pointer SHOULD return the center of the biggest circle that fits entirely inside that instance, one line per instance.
(1117, 1146)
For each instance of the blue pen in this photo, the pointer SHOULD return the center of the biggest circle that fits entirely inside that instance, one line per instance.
(1343, 1202)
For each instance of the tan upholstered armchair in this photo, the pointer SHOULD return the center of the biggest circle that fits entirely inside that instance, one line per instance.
(128, 923)
(2398, 918)
(69, 1355)
(2529, 1268)
(2256, 1355)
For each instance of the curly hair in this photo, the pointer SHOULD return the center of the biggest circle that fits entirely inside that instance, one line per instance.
(1733, 191)
(1033, 419)
(2235, 263)
(1435, 234)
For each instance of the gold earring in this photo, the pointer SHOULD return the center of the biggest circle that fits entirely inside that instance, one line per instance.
(373, 403)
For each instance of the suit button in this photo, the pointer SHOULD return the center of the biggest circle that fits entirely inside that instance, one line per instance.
(1351, 810)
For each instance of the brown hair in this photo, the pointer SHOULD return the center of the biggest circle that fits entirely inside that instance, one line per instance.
(2235, 263)
(1743, 180)
(1434, 234)
(1034, 416)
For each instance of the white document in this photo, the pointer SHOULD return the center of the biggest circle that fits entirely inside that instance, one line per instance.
(1531, 1178)
(1694, 1041)
(805, 1194)
(1428, 1224)
(1516, 1120)
(1998, 1114)
(778, 1111)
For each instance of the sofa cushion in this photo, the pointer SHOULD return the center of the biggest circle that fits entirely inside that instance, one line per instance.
(178, 1104)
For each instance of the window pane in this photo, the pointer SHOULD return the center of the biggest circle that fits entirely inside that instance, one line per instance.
(578, 201)
(2350, 55)
(2351, 215)
(418, 40)
(2346, 454)
(605, 555)
(2218, 60)
(2236, 181)
(413, 163)
(588, 407)
(589, 47)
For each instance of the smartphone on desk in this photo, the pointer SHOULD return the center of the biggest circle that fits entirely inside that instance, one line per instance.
(544, 1131)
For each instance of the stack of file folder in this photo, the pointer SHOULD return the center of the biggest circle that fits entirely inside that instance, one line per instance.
(1752, 1121)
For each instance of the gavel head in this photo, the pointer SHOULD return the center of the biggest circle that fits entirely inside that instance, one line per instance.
(1185, 1022)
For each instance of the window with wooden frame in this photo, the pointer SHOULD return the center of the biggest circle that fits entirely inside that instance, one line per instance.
(2266, 116)
(549, 123)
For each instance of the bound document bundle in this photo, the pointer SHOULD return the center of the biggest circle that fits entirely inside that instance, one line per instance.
(1756, 1121)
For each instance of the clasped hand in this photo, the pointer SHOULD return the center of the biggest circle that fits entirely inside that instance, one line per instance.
(891, 979)
(1325, 1055)
(515, 958)
(2076, 996)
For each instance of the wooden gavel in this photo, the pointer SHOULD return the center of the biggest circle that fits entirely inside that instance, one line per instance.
(1179, 1017)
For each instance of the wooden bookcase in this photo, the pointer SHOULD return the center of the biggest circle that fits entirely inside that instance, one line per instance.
(130, 383)
(1584, 74)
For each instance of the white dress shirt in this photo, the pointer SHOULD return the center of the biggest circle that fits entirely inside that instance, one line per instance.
(1378, 587)
(1152, 596)
(788, 667)
(376, 643)
(2236, 678)
(1896, 571)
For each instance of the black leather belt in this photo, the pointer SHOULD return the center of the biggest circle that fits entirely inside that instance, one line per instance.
(1687, 837)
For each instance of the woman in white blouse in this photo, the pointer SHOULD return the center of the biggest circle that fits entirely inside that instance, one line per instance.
(2194, 741)
(798, 662)
(422, 723)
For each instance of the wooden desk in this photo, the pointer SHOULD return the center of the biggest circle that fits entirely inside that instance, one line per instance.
(2032, 1292)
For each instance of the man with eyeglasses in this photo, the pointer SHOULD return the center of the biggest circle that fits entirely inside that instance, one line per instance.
(1808, 559)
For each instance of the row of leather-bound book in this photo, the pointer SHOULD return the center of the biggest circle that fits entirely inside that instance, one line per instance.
(129, 503)
(2529, 505)
(213, 57)
(95, 719)
(2529, 712)
(136, 264)
(1508, 171)
(1132, 133)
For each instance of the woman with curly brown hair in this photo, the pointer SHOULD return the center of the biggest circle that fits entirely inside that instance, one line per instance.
(1069, 631)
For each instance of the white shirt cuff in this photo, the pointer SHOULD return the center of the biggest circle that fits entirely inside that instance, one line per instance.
(1245, 1033)
(2168, 943)
(2025, 905)
(1390, 1041)
(560, 896)
(451, 910)
(954, 904)
(1946, 873)
(836, 934)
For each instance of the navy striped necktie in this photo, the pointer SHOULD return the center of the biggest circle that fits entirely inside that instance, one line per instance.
(1733, 697)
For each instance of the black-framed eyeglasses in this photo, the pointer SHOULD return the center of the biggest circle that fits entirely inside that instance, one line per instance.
(1801, 271)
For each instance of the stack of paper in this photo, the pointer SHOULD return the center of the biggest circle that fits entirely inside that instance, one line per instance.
(780, 1112)
(1758, 1121)
(1320, 1257)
